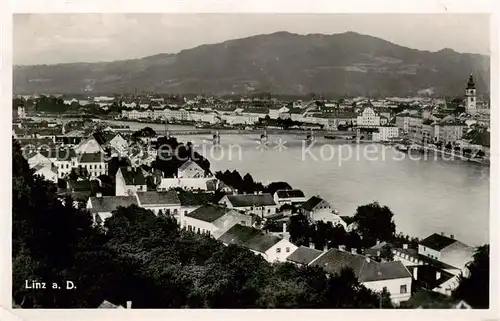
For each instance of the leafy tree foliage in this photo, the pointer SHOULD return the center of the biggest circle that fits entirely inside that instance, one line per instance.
(475, 288)
(374, 222)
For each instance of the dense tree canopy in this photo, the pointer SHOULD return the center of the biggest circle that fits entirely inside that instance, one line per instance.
(374, 222)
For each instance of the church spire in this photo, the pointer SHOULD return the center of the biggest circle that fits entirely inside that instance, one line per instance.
(470, 83)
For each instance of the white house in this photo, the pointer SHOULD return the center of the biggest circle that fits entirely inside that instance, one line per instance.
(190, 169)
(270, 247)
(314, 204)
(392, 276)
(166, 202)
(289, 196)
(119, 144)
(368, 118)
(102, 207)
(188, 184)
(36, 158)
(64, 159)
(94, 163)
(446, 250)
(47, 171)
(129, 181)
(327, 215)
(213, 220)
(385, 133)
(259, 204)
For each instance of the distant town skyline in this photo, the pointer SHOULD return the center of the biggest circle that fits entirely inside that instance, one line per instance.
(64, 38)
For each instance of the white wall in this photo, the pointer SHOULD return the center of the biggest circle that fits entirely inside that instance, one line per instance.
(422, 250)
(272, 255)
(394, 288)
(196, 224)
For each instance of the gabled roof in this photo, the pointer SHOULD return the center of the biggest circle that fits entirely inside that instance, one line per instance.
(111, 203)
(365, 270)
(61, 154)
(133, 176)
(249, 237)
(187, 164)
(311, 203)
(304, 255)
(437, 242)
(208, 213)
(155, 198)
(245, 200)
(290, 193)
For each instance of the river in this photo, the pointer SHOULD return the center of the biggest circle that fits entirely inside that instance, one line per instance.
(426, 195)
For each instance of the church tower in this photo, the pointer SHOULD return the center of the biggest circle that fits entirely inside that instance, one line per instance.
(470, 97)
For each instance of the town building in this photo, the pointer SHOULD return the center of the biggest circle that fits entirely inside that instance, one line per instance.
(289, 196)
(64, 159)
(129, 181)
(93, 163)
(446, 250)
(368, 118)
(270, 247)
(47, 171)
(190, 169)
(262, 204)
(385, 133)
(304, 256)
(312, 205)
(394, 277)
(167, 202)
(213, 220)
(201, 184)
(101, 207)
(89, 146)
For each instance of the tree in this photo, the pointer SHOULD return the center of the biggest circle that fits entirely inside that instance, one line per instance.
(386, 253)
(374, 222)
(474, 288)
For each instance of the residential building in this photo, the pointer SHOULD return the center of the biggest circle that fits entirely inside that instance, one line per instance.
(262, 204)
(129, 181)
(270, 247)
(167, 202)
(368, 118)
(93, 162)
(118, 144)
(446, 250)
(101, 207)
(289, 196)
(190, 169)
(47, 171)
(89, 146)
(213, 220)
(312, 205)
(394, 277)
(64, 159)
(36, 158)
(191, 201)
(207, 184)
(328, 215)
(449, 132)
(385, 133)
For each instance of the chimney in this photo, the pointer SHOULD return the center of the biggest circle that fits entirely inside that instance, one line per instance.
(378, 242)
(235, 192)
(99, 195)
(378, 253)
(260, 192)
(442, 233)
(405, 246)
(129, 304)
(325, 248)
(129, 168)
(438, 275)
(415, 273)
(452, 237)
(311, 245)
(284, 227)
(255, 193)
(354, 250)
(342, 248)
(368, 259)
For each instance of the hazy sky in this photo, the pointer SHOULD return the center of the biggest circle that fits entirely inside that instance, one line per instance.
(59, 38)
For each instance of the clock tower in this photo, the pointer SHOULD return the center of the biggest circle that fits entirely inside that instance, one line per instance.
(470, 97)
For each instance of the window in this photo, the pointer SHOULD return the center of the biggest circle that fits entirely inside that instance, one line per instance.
(287, 250)
(403, 289)
(278, 250)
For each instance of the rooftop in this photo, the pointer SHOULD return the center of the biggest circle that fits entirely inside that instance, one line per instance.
(156, 198)
(133, 176)
(111, 203)
(91, 158)
(304, 255)
(245, 200)
(365, 270)
(290, 193)
(249, 237)
(437, 242)
(311, 203)
(208, 213)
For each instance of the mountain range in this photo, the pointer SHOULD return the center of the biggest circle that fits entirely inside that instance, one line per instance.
(281, 63)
